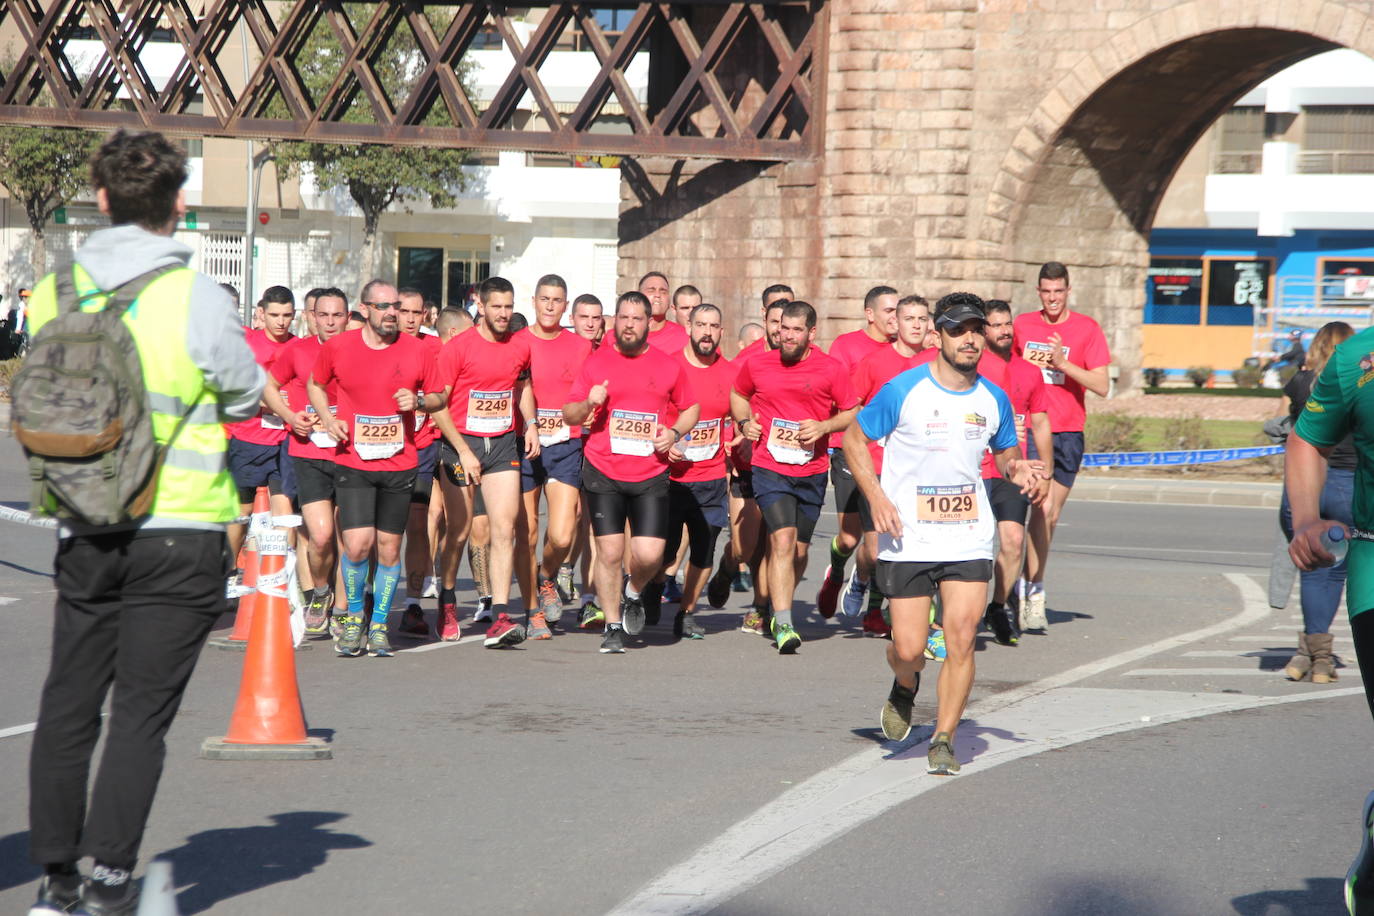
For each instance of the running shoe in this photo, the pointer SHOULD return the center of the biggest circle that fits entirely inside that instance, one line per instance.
(448, 622)
(483, 613)
(430, 588)
(57, 895)
(336, 618)
(652, 599)
(538, 627)
(718, 588)
(685, 626)
(854, 594)
(413, 622)
(829, 593)
(935, 644)
(350, 642)
(1359, 880)
(632, 614)
(1000, 619)
(875, 625)
(378, 646)
(92, 905)
(567, 591)
(743, 581)
(753, 622)
(613, 642)
(550, 604)
(1033, 611)
(504, 632)
(940, 759)
(672, 590)
(895, 718)
(317, 612)
(592, 616)
(786, 637)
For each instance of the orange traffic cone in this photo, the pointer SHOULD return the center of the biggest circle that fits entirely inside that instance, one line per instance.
(249, 562)
(268, 722)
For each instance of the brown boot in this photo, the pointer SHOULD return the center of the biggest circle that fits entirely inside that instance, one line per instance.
(1299, 665)
(1323, 663)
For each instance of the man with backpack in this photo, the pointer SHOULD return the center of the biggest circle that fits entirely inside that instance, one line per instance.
(136, 362)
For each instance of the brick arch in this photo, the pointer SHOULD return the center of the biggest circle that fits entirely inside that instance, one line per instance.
(1085, 173)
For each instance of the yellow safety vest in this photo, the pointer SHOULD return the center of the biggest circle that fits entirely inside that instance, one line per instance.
(194, 484)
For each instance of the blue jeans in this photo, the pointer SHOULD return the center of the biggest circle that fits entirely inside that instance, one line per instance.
(1321, 588)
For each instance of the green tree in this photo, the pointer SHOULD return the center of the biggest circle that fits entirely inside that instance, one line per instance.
(377, 176)
(43, 168)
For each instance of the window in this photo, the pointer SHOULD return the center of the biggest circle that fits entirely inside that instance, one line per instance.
(1203, 290)
(422, 269)
(1240, 141)
(1235, 288)
(1337, 139)
(1173, 291)
(612, 20)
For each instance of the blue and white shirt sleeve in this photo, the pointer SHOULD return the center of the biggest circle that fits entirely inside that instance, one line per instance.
(881, 415)
(1005, 436)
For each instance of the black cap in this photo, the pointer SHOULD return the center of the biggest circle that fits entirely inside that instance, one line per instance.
(958, 313)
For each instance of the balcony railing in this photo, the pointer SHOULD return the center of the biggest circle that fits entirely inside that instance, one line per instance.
(1336, 162)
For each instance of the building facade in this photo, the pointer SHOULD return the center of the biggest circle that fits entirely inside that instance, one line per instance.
(1268, 225)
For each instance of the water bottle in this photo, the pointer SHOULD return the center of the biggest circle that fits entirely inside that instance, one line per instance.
(1335, 543)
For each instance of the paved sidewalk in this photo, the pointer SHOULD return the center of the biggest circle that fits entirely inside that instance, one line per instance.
(1186, 492)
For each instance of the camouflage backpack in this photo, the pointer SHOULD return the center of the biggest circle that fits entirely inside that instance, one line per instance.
(80, 410)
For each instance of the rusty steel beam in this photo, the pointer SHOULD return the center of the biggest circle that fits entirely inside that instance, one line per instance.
(317, 75)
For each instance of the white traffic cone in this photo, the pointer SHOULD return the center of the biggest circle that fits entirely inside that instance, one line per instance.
(159, 897)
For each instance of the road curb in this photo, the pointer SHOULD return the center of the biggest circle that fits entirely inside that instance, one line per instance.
(1186, 492)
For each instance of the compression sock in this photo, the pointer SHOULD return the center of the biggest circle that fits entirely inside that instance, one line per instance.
(384, 590)
(838, 557)
(355, 582)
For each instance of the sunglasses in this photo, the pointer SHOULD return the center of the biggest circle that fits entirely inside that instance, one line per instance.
(384, 306)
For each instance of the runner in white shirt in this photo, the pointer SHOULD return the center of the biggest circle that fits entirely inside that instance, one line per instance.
(937, 419)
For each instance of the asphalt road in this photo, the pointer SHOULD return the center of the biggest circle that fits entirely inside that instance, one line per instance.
(1146, 756)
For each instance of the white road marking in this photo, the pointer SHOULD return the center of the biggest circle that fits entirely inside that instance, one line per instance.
(1131, 548)
(1227, 653)
(5, 601)
(1215, 672)
(17, 730)
(1017, 723)
(431, 646)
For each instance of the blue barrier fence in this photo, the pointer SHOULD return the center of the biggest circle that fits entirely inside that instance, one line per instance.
(1187, 456)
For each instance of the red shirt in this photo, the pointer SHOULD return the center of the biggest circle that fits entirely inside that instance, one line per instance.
(266, 428)
(873, 372)
(643, 393)
(425, 430)
(480, 375)
(705, 445)
(815, 388)
(291, 369)
(367, 380)
(849, 350)
(758, 346)
(670, 338)
(553, 368)
(1084, 345)
(1025, 389)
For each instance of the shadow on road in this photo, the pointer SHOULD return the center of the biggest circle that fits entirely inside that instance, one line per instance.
(215, 865)
(15, 870)
(1321, 896)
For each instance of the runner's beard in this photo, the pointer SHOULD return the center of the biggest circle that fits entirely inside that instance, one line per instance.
(792, 354)
(704, 348)
(1002, 352)
(629, 343)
